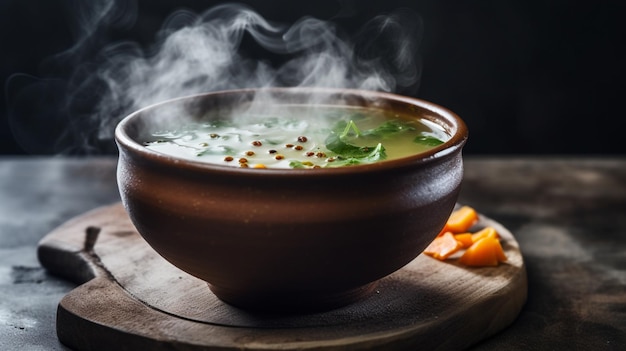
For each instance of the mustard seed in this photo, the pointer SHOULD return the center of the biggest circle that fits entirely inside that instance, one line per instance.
(298, 147)
(243, 160)
(228, 158)
(279, 157)
(257, 143)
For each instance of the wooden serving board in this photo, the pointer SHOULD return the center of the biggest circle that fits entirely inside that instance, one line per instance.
(132, 299)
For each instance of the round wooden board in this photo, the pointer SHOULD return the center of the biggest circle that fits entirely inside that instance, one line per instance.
(131, 298)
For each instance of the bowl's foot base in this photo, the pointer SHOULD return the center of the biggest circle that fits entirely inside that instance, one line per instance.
(291, 302)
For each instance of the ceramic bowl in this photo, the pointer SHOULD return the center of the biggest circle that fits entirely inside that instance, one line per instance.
(288, 240)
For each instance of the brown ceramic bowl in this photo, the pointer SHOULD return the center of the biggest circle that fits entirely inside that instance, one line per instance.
(288, 239)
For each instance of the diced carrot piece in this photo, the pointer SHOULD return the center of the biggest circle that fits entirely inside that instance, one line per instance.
(461, 220)
(443, 247)
(482, 248)
(465, 239)
(485, 252)
(481, 253)
(484, 233)
(500, 252)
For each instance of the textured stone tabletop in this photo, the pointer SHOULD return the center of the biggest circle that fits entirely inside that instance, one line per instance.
(568, 215)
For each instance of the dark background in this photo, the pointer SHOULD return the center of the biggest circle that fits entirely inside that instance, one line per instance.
(528, 77)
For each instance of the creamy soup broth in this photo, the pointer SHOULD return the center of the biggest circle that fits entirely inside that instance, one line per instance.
(325, 137)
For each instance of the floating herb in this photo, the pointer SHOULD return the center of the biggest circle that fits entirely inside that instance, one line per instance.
(388, 129)
(297, 164)
(350, 126)
(377, 154)
(350, 154)
(427, 140)
(336, 142)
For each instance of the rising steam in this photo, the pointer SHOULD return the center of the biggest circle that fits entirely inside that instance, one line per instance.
(196, 53)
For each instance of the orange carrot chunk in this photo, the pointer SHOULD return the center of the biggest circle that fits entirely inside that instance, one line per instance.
(465, 239)
(481, 253)
(486, 251)
(500, 252)
(443, 246)
(461, 220)
(484, 233)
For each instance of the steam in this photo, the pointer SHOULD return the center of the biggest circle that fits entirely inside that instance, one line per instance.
(196, 53)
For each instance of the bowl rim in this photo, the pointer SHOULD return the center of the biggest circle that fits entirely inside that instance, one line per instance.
(455, 143)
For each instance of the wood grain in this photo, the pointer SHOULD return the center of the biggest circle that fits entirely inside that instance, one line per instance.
(131, 298)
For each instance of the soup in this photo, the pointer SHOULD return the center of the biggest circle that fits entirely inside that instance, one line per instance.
(336, 137)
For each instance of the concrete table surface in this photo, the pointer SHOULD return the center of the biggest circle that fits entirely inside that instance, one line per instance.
(567, 213)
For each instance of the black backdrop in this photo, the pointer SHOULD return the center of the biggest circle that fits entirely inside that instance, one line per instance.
(528, 77)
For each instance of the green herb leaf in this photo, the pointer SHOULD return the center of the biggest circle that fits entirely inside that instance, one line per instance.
(350, 126)
(349, 154)
(335, 144)
(296, 164)
(427, 140)
(388, 129)
(377, 154)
